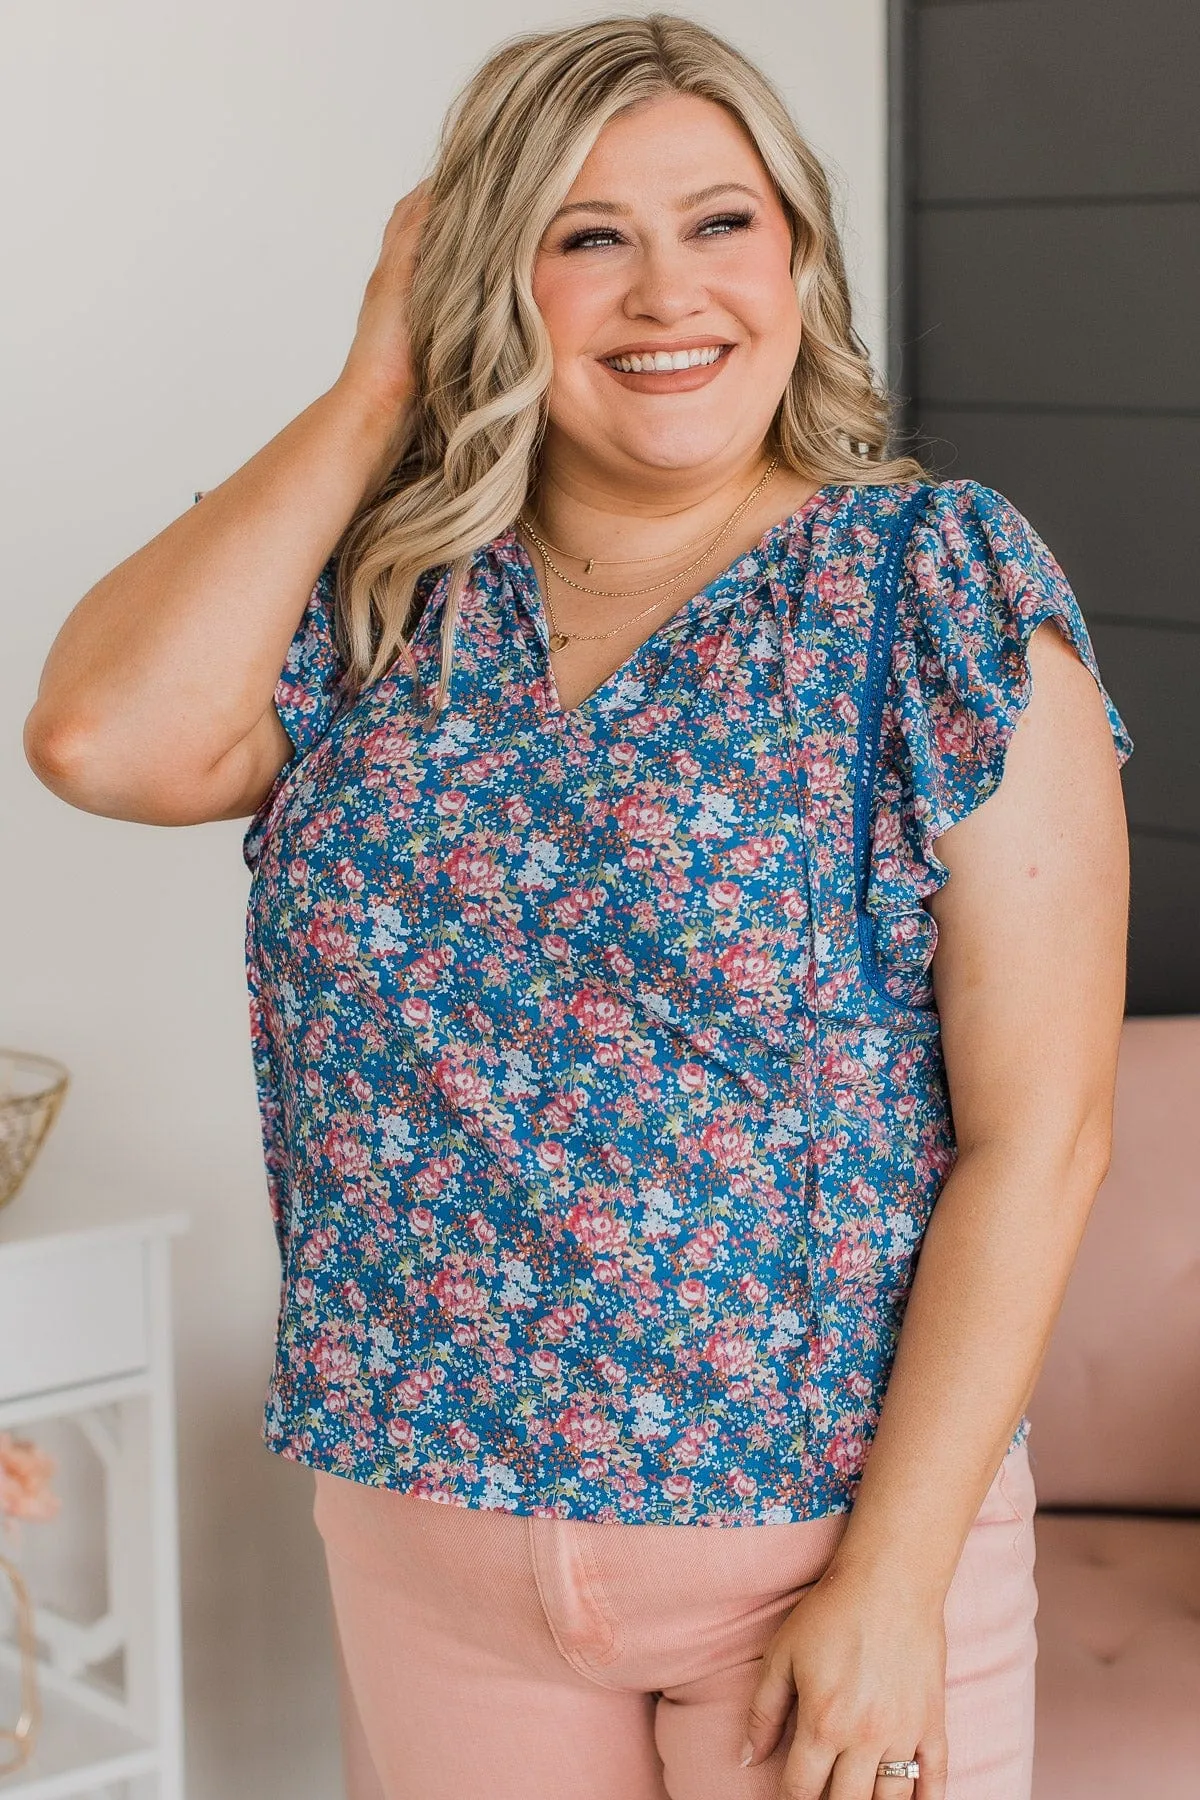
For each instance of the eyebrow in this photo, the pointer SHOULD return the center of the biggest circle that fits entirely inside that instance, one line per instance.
(685, 203)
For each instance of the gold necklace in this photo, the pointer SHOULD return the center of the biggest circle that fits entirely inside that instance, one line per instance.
(560, 639)
(619, 562)
(652, 587)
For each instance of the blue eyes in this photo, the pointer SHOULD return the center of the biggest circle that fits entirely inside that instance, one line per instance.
(599, 237)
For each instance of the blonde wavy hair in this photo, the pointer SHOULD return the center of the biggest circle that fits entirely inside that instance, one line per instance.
(512, 145)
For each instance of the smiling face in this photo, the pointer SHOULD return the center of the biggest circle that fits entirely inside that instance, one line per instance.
(665, 284)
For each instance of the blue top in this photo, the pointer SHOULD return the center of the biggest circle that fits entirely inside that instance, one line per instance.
(601, 1079)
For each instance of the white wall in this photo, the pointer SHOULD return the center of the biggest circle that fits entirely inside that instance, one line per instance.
(200, 198)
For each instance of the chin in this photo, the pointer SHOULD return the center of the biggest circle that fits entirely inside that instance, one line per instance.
(684, 444)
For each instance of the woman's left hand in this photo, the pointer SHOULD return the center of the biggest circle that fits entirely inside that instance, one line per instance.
(865, 1667)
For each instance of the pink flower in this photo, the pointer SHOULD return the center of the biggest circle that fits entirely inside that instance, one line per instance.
(482, 768)
(560, 1321)
(461, 1086)
(428, 965)
(330, 939)
(544, 1363)
(601, 1013)
(475, 873)
(728, 1145)
(601, 1232)
(693, 1292)
(333, 1362)
(853, 1261)
(748, 969)
(723, 895)
(576, 904)
(644, 819)
(558, 1114)
(731, 1354)
(586, 1431)
(752, 1290)
(349, 876)
(459, 1295)
(847, 1452)
(25, 1473)
(678, 1487)
(702, 1246)
(346, 1152)
(433, 1177)
(413, 1388)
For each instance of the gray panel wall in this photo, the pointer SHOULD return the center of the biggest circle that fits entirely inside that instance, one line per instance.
(1046, 209)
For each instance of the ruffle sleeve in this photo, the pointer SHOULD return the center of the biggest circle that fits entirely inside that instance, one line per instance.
(978, 581)
(308, 690)
(308, 693)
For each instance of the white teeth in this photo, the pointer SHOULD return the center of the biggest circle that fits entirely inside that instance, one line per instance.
(664, 361)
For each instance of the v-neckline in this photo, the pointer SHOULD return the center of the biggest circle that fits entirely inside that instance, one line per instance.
(522, 565)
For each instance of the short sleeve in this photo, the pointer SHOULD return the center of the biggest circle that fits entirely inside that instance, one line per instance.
(977, 582)
(307, 695)
(309, 686)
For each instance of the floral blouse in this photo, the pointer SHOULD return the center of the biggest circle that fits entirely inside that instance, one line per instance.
(601, 1083)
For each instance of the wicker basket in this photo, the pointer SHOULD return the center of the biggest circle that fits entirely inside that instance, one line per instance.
(31, 1092)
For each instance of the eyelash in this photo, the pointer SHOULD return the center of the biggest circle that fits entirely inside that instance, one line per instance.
(584, 240)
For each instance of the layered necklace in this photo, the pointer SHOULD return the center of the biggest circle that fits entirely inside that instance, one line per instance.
(560, 638)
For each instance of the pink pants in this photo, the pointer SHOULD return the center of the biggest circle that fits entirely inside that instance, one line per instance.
(496, 1656)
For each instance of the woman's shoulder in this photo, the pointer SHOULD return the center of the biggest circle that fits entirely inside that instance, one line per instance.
(976, 573)
(941, 506)
(978, 580)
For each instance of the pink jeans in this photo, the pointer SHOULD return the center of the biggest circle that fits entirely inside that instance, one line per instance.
(496, 1656)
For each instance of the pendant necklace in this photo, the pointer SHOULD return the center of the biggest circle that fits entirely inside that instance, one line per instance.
(559, 639)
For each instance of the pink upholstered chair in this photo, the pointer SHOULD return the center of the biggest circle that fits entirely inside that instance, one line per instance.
(1115, 1451)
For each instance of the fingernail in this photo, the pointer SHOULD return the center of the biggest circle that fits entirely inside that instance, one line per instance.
(747, 1755)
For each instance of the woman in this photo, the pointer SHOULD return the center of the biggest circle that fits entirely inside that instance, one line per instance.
(626, 916)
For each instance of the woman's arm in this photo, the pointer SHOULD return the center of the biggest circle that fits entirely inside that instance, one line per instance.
(155, 702)
(1029, 978)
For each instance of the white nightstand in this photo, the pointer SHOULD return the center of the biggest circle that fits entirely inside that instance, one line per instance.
(85, 1334)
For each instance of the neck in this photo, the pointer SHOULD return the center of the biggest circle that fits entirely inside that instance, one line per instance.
(592, 513)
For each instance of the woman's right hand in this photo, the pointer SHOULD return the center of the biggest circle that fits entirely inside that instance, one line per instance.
(156, 700)
(379, 363)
